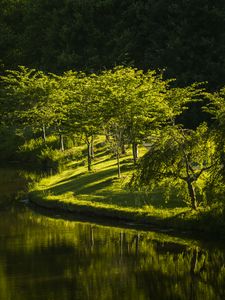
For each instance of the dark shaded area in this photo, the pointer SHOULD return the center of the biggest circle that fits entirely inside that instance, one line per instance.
(186, 38)
(42, 257)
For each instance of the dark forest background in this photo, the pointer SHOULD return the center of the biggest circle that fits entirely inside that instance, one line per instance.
(181, 39)
(186, 38)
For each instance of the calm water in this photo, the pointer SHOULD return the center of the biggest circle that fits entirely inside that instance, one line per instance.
(44, 257)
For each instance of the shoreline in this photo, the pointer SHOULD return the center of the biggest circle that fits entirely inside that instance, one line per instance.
(177, 226)
(101, 194)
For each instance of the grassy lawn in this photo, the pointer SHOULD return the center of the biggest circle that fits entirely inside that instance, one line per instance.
(101, 187)
(102, 193)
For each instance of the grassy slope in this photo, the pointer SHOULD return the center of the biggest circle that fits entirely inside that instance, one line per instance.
(102, 193)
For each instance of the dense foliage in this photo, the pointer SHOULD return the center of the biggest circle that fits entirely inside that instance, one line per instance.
(184, 37)
(128, 106)
(70, 89)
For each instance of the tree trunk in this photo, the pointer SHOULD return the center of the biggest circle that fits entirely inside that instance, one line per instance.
(135, 152)
(118, 163)
(192, 195)
(61, 140)
(44, 132)
(89, 155)
(92, 147)
(107, 139)
(123, 148)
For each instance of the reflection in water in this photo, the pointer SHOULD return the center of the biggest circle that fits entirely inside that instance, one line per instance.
(44, 258)
(54, 259)
(14, 184)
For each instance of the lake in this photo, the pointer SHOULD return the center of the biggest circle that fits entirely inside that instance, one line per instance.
(45, 256)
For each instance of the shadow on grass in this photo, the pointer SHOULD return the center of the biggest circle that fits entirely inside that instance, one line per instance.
(85, 183)
(102, 153)
(137, 200)
(107, 187)
(96, 162)
(76, 164)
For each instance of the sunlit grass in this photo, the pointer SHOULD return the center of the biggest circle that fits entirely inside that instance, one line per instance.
(102, 190)
(102, 193)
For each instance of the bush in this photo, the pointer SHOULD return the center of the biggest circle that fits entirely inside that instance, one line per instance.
(51, 159)
(10, 141)
(45, 155)
(73, 154)
(40, 153)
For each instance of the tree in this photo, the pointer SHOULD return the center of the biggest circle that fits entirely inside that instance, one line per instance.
(179, 155)
(34, 99)
(115, 139)
(27, 97)
(134, 101)
(84, 115)
(216, 108)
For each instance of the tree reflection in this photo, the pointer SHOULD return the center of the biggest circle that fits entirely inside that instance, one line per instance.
(44, 258)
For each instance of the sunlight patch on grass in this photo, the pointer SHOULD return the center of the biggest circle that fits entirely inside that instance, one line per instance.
(102, 189)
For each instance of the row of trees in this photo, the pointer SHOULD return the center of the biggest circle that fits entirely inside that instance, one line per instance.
(124, 103)
(129, 106)
(185, 38)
